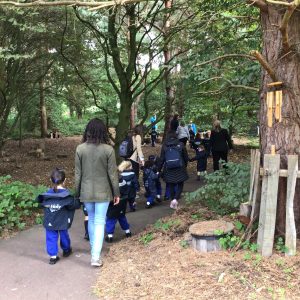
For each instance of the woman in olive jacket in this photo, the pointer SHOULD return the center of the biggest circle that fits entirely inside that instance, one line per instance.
(96, 182)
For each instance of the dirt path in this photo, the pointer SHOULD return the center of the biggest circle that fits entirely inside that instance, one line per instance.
(27, 274)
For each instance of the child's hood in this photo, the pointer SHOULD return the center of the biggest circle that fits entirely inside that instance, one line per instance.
(50, 194)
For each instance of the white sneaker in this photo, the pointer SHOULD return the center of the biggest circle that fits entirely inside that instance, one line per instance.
(174, 204)
(96, 262)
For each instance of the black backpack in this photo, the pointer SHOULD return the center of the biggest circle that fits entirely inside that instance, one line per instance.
(173, 157)
(126, 147)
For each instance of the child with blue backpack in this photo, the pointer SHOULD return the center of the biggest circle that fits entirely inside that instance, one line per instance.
(150, 178)
(117, 213)
(59, 208)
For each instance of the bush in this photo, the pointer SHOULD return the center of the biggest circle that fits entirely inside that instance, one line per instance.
(17, 202)
(225, 189)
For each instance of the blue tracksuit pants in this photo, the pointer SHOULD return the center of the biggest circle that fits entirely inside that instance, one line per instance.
(52, 239)
(111, 224)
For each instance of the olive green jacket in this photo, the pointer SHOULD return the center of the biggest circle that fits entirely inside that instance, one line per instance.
(96, 175)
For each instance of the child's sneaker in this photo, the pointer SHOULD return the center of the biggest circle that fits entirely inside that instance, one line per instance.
(53, 260)
(158, 198)
(96, 262)
(148, 205)
(67, 253)
(109, 239)
(174, 204)
(128, 234)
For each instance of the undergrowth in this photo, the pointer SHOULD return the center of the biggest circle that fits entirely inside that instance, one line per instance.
(224, 189)
(17, 203)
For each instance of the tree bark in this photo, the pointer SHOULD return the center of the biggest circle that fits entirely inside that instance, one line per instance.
(285, 135)
(167, 75)
(43, 110)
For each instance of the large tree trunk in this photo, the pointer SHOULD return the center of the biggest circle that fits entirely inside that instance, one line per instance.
(43, 110)
(286, 64)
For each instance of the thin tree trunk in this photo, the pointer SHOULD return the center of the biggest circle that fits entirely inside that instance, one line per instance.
(43, 110)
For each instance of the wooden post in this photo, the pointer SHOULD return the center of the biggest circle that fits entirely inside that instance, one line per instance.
(256, 184)
(268, 206)
(277, 105)
(290, 227)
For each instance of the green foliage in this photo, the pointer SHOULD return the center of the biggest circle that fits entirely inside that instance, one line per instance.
(184, 244)
(17, 201)
(146, 238)
(165, 226)
(280, 245)
(230, 240)
(225, 189)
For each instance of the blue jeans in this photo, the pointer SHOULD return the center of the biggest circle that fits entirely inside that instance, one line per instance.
(52, 238)
(97, 215)
(111, 223)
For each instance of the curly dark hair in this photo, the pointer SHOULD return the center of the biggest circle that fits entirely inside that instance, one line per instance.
(95, 132)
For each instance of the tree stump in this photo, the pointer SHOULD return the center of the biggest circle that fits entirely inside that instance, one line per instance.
(206, 235)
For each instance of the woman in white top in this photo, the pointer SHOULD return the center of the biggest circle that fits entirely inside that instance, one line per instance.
(137, 157)
(183, 133)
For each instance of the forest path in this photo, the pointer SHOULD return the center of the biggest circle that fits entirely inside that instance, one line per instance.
(26, 273)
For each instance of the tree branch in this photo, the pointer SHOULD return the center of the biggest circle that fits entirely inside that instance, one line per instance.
(294, 3)
(92, 5)
(264, 64)
(261, 4)
(284, 27)
(223, 57)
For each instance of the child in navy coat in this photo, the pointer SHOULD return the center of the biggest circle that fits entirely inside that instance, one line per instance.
(127, 174)
(150, 178)
(59, 208)
(117, 212)
(201, 158)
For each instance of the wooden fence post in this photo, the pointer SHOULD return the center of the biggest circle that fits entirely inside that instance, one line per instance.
(256, 182)
(267, 216)
(290, 227)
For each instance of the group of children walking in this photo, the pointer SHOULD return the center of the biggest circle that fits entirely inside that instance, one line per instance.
(59, 206)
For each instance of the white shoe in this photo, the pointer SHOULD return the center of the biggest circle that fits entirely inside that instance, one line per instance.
(174, 204)
(96, 262)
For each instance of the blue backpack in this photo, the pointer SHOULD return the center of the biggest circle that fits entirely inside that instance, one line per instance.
(126, 147)
(173, 157)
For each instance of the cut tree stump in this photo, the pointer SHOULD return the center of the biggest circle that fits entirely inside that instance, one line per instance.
(206, 235)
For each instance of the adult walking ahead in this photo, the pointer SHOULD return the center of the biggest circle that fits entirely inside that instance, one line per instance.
(220, 144)
(137, 157)
(96, 182)
(174, 159)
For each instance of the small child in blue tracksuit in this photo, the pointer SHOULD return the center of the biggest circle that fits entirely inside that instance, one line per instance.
(156, 163)
(201, 158)
(118, 213)
(127, 174)
(150, 178)
(59, 208)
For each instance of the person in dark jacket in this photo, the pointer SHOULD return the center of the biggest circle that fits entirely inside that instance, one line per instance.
(197, 141)
(174, 123)
(156, 164)
(192, 135)
(201, 158)
(127, 173)
(174, 160)
(117, 213)
(59, 208)
(150, 178)
(220, 144)
(206, 143)
(154, 136)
